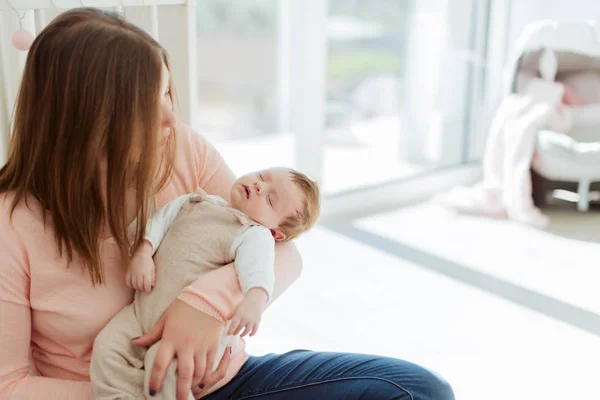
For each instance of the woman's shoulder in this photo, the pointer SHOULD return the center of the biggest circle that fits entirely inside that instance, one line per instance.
(26, 212)
(195, 160)
(20, 226)
(194, 151)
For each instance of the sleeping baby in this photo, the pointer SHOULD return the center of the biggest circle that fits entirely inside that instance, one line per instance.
(187, 238)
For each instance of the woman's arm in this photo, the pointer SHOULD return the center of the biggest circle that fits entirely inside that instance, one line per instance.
(15, 330)
(15, 381)
(191, 327)
(218, 292)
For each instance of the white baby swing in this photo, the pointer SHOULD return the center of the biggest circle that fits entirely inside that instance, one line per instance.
(568, 53)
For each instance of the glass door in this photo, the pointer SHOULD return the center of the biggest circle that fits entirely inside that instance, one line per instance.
(357, 93)
(403, 80)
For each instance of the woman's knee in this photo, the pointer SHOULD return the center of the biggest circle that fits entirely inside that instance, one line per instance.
(416, 382)
(397, 379)
(423, 386)
(434, 386)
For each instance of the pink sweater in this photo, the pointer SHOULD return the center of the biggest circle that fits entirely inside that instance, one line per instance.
(50, 313)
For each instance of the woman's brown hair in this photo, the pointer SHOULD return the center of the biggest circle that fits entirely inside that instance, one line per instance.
(90, 96)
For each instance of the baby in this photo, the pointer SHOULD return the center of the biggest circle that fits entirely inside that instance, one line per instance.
(280, 203)
(190, 236)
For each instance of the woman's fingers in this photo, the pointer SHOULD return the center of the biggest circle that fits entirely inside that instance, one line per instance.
(200, 368)
(186, 328)
(153, 335)
(215, 377)
(185, 373)
(164, 356)
(210, 362)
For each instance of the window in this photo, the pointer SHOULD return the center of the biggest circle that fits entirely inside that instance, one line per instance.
(401, 90)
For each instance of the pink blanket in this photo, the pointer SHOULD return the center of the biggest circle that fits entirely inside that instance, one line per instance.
(506, 187)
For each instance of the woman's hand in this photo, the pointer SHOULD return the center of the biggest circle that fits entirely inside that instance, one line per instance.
(200, 389)
(192, 337)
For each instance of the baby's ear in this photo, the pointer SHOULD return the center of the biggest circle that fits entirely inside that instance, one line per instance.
(278, 235)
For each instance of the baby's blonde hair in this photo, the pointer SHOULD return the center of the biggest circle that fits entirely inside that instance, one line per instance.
(306, 218)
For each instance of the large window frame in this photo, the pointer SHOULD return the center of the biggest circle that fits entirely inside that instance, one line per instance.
(302, 72)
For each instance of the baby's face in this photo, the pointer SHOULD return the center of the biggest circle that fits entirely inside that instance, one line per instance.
(269, 197)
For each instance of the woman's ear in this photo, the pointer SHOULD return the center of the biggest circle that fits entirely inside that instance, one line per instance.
(278, 235)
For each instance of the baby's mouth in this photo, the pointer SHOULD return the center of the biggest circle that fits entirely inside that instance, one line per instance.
(247, 190)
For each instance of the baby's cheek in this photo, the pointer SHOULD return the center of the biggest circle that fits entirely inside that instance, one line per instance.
(254, 211)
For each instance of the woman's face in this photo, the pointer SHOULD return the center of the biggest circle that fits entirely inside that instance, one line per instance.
(168, 117)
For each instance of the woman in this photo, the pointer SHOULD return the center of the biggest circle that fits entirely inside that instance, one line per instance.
(94, 147)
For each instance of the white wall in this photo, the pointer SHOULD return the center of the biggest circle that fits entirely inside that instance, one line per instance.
(437, 80)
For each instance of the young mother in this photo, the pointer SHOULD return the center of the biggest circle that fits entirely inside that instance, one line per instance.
(95, 144)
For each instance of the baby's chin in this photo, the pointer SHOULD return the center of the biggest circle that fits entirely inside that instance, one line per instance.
(240, 207)
(243, 209)
(237, 202)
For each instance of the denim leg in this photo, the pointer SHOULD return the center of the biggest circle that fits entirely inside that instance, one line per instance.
(308, 375)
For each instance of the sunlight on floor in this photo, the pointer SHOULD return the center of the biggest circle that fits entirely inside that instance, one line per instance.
(358, 298)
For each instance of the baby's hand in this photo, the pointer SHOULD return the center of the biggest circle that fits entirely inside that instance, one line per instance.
(248, 312)
(141, 272)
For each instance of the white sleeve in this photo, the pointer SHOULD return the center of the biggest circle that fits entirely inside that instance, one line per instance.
(159, 224)
(254, 253)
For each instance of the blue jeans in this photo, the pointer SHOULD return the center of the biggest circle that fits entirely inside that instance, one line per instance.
(308, 375)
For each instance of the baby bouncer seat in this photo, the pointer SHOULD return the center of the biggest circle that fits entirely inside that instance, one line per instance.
(568, 53)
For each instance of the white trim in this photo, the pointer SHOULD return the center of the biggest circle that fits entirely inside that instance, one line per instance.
(284, 67)
(11, 71)
(41, 20)
(178, 18)
(4, 115)
(49, 4)
(497, 53)
(309, 66)
(481, 36)
(177, 33)
(393, 195)
(144, 17)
